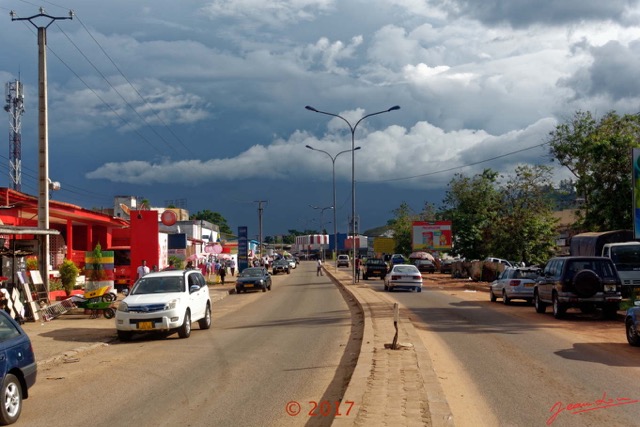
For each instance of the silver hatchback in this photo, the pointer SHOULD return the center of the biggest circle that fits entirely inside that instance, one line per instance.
(514, 283)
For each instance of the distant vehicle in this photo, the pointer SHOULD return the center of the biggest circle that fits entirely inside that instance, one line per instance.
(617, 245)
(398, 259)
(122, 268)
(343, 261)
(374, 267)
(425, 266)
(293, 263)
(17, 366)
(500, 261)
(514, 283)
(165, 301)
(403, 276)
(253, 279)
(584, 282)
(280, 266)
(632, 324)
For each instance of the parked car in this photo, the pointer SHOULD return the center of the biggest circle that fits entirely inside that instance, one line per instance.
(292, 262)
(584, 282)
(280, 266)
(403, 276)
(514, 283)
(500, 261)
(632, 324)
(374, 267)
(17, 366)
(343, 261)
(446, 266)
(425, 265)
(166, 301)
(253, 279)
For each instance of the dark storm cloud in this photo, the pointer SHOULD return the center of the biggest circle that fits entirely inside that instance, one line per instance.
(523, 13)
(613, 72)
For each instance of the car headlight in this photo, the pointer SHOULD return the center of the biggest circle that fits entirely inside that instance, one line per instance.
(123, 307)
(261, 282)
(171, 304)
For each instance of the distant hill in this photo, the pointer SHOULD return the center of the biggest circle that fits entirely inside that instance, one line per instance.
(383, 230)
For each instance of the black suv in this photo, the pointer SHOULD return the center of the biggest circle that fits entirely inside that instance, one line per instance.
(584, 282)
(374, 267)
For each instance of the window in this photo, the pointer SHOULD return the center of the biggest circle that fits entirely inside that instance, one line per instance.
(7, 329)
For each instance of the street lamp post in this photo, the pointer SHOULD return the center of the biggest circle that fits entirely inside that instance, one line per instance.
(322, 223)
(353, 176)
(335, 223)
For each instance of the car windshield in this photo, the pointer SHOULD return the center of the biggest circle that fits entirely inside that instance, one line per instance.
(405, 269)
(252, 272)
(158, 285)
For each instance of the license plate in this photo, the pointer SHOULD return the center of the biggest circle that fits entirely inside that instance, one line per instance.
(248, 285)
(529, 285)
(145, 325)
(609, 288)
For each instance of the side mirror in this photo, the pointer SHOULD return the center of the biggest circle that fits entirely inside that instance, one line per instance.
(636, 303)
(194, 288)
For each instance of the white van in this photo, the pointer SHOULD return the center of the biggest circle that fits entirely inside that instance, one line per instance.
(343, 261)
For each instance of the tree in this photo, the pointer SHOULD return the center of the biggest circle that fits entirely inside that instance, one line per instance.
(214, 218)
(525, 226)
(472, 204)
(597, 153)
(401, 225)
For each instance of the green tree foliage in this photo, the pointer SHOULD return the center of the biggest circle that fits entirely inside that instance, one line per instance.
(401, 226)
(597, 153)
(525, 226)
(472, 204)
(214, 218)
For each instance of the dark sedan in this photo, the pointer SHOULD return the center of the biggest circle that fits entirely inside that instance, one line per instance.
(18, 368)
(425, 266)
(253, 279)
(632, 324)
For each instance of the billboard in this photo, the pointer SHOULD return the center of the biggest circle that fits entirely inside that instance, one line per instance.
(431, 235)
(635, 167)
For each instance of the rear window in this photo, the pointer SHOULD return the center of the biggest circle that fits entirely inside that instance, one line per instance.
(7, 329)
(602, 267)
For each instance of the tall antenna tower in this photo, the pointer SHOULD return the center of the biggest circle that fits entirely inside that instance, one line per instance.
(15, 107)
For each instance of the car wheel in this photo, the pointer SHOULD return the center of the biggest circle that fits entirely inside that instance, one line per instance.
(420, 289)
(558, 308)
(505, 299)
(386, 288)
(205, 322)
(288, 271)
(185, 329)
(109, 313)
(11, 400)
(492, 297)
(632, 333)
(125, 336)
(540, 306)
(264, 288)
(365, 277)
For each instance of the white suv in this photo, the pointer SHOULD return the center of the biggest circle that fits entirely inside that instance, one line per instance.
(343, 261)
(165, 301)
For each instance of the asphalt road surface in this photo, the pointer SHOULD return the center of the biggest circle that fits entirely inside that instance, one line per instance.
(509, 366)
(267, 355)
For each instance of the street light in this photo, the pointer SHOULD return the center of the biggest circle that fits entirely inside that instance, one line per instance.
(322, 224)
(335, 223)
(353, 175)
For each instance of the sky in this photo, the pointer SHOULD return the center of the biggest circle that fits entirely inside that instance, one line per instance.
(201, 104)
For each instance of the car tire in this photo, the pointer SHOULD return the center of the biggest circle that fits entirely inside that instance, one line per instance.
(11, 404)
(264, 288)
(632, 333)
(288, 271)
(420, 289)
(125, 336)
(505, 299)
(185, 330)
(540, 306)
(558, 308)
(205, 322)
(492, 297)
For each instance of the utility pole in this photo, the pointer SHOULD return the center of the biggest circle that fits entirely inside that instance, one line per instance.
(43, 136)
(260, 209)
(15, 107)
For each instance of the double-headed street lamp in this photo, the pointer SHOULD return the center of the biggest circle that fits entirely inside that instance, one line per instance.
(322, 224)
(335, 223)
(353, 175)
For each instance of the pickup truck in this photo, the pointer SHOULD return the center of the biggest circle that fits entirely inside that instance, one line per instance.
(374, 267)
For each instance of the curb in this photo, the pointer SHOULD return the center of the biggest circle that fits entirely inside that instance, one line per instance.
(439, 410)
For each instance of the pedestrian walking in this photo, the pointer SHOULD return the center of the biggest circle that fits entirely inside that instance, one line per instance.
(319, 268)
(232, 267)
(222, 273)
(143, 269)
(357, 266)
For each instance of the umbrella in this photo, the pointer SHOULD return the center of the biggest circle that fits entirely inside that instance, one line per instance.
(421, 255)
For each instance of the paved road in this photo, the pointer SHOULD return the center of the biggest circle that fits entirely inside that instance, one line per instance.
(524, 366)
(264, 350)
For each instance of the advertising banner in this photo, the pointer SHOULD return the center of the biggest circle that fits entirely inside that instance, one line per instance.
(635, 167)
(431, 236)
